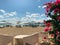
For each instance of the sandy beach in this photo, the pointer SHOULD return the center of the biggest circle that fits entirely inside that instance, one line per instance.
(7, 34)
(20, 31)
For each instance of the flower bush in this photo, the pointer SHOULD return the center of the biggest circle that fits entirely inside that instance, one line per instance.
(53, 11)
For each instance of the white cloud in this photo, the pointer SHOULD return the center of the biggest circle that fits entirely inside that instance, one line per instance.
(35, 15)
(40, 20)
(39, 6)
(25, 19)
(14, 13)
(48, 18)
(1, 16)
(27, 12)
(13, 20)
(3, 11)
(4, 14)
(10, 14)
(30, 17)
(44, 6)
(42, 15)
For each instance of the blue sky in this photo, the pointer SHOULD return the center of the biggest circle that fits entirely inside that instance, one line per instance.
(22, 10)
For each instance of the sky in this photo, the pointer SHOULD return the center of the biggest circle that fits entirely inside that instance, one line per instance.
(23, 10)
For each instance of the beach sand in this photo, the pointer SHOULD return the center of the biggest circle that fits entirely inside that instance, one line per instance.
(20, 31)
(10, 32)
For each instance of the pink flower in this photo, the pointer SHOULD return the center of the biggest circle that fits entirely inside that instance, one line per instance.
(44, 37)
(58, 18)
(57, 2)
(56, 10)
(50, 29)
(47, 10)
(52, 35)
(47, 29)
(57, 33)
(49, 6)
(48, 24)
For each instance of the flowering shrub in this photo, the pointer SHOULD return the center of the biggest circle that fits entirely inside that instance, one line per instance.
(53, 11)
